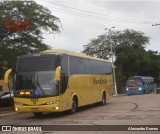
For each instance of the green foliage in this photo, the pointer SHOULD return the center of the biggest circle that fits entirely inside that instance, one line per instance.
(15, 43)
(129, 51)
(131, 44)
(152, 68)
(98, 47)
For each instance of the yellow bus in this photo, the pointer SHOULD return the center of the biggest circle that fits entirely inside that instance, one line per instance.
(60, 80)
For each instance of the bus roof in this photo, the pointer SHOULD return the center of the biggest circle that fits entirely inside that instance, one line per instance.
(71, 53)
(142, 77)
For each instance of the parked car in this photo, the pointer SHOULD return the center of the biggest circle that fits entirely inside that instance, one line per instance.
(1, 94)
(7, 100)
(158, 88)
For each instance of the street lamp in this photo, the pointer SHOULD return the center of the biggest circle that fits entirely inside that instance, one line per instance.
(113, 67)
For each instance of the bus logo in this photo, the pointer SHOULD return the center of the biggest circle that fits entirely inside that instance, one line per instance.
(6, 128)
(99, 81)
(34, 100)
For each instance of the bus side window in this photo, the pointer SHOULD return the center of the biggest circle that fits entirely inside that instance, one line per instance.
(63, 83)
(64, 73)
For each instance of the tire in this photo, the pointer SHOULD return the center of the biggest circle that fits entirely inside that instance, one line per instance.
(39, 114)
(74, 107)
(103, 99)
(144, 92)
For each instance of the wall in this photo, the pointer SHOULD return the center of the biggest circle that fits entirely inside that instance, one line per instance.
(3, 86)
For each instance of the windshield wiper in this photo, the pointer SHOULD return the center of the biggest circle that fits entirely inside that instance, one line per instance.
(38, 86)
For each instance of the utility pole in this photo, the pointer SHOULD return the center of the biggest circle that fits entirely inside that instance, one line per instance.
(113, 67)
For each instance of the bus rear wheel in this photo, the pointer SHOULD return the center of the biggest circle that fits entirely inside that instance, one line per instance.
(39, 114)
(144, 92)
(103, 99)
(74, 107)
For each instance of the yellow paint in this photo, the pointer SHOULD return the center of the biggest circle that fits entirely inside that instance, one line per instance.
(3, 86)
(81, 86)
(58, 73)
(87, 88)
(6, 76)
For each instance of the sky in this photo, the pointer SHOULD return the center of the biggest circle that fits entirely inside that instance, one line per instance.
(83, 20)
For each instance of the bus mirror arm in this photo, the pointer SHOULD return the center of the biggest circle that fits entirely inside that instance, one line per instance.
(6, 76)
(58, 73)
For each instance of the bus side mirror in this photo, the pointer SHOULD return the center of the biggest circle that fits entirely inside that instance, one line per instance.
(6, 76)
(58, 73)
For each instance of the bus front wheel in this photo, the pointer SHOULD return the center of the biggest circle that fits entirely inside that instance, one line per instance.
(103, 99)
(74, 105)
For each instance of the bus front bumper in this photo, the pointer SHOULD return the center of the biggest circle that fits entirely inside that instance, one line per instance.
(34, 109)
(130, 92)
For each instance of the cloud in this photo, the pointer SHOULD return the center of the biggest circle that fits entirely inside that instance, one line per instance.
(92, 17)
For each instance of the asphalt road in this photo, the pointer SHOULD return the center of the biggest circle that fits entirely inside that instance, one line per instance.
(120, 110)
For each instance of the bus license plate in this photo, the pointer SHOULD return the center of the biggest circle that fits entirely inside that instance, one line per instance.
(35, 109)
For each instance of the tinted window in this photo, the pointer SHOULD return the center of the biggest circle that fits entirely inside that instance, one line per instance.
(64, 65)
(64, 73)
(37, 63)
(88, 66)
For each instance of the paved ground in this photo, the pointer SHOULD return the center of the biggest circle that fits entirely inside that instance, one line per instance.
(6, 110)
(120, 110)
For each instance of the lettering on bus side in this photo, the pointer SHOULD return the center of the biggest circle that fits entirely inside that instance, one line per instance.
(99, 81)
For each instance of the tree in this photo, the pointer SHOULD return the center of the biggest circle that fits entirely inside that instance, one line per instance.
(99, 47)
(129, 51)
(152, 68)
(22, 24)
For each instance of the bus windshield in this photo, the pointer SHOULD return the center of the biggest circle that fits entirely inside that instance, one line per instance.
(133, 83)
(39, 84)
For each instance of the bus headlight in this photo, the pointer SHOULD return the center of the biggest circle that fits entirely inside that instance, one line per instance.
(16, 109)
(140, 88)
(53, 102)
(127, 89)
(57, 108)
(18, 103)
